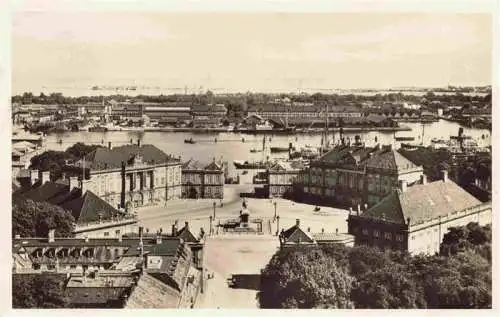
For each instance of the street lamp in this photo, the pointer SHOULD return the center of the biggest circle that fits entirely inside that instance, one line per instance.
(210, 232)
(277, 225)
(275, 204)
(214, 204)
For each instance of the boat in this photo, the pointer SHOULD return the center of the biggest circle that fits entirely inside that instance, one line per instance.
(404, 138)
(279, 149)
(463, 137)
(190, 141)
(98, 129)
(408, 146)
(250, 165)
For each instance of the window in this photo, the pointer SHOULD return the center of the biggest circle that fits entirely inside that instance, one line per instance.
(117, 232)
(365, 231)
(51, 267)
(106, 234)
(376, 233)
(388, 235)
(399, 237)
(72, 266)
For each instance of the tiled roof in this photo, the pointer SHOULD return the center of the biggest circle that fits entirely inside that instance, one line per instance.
(84, 208)
(88, 207)
(186, 235)
(197, 165)
(422, 202)
(105, 158)
(151, 293)
(330, 236)
(203, 108)
(390, 160)
(296, 235)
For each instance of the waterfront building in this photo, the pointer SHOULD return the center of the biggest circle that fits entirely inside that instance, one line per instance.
(144, 271)
(351, 175)
(296, 236)
(168, 113)
(127, 111)
(209, 115)
(132, 175)
(415, 218)
(202, 180)
(281, 176)
(93, 216)
(279, 111)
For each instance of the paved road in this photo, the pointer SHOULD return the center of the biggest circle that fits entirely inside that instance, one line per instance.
(239, 255)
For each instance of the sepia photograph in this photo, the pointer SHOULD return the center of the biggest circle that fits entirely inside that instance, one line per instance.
(254, 160)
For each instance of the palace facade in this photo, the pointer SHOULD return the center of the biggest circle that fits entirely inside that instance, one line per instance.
(352, 175)
(202, 181)
(133, 175)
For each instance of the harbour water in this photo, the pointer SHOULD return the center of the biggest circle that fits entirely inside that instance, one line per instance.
(229, 146)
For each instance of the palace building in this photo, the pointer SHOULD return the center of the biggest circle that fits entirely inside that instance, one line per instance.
(133, 175)
(351, 175)
(202, 181)
(416, 218)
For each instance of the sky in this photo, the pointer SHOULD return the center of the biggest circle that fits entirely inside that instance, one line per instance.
(250, 51)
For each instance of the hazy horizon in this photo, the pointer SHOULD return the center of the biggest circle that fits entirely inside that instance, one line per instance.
(249, 51)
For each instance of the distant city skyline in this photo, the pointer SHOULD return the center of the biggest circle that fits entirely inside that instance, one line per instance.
(249, 51)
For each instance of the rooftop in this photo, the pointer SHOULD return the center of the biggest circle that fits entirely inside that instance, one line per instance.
(421, 203)
(105, 158)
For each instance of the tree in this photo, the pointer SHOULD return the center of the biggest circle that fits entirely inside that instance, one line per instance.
(304, 278)
(388, 287)
(35, 219)
(38, 291)
(53, 161)
(79, 150)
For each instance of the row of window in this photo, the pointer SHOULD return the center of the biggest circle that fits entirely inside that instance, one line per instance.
(387, 235)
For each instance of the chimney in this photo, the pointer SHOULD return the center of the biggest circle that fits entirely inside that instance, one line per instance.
(403, 185)
(73, 183)
(336, 230)
(52, 235)
(109, 145)
(86, 239)
(308, 229)
(84, 185)
(45, 177)
(141, 229)
(139, 143)
(297, 222)
(186, 225)
(445, 175)
(158, 238)
(33, 176)
(322, 230)
(423, 179)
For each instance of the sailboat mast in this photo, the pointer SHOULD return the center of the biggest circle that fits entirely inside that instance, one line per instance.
(326, 126)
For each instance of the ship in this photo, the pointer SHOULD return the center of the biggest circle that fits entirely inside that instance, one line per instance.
(98, 129)
(404, 138)
(280, 149)
(250, 165)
